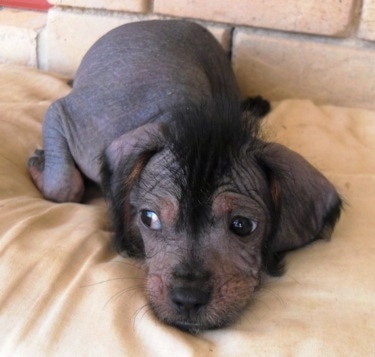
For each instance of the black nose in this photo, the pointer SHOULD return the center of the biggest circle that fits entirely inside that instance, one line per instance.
(189, 300)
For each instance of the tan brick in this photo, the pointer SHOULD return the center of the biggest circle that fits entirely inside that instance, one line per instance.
(19, 32)
(223, 34)
(69, 35)
(325, 17)
(281, 67)
(120, 5)
(367, 25)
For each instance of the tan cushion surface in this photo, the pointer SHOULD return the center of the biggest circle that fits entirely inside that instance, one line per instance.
(64, 292)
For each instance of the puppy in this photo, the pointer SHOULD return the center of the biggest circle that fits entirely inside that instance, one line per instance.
(155, 118)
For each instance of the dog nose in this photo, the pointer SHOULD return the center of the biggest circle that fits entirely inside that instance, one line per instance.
(189, 300)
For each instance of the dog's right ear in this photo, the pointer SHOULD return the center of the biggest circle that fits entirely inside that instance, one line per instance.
(306, 205)
(122, 164)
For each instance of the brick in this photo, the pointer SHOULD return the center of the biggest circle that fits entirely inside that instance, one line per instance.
(223, 35)
(70, 34)
(117, 5)
(19, 32)
(367, 24)
(278, 67)
(67, 38)
(324, 17)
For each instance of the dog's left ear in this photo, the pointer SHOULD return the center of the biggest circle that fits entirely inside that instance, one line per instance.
(122, 164)
(306, 205)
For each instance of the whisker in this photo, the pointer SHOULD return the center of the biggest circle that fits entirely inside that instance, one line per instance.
(110, 280)
(123, 292)
(264, 290)
(292, 278)
(145, 308)
(138, 265)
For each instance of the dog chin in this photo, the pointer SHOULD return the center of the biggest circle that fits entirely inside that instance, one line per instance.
(196, 327)
(204, 323)
(190, 327)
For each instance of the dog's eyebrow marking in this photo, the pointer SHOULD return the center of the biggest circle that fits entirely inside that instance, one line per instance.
(275, 192)
(137, 169)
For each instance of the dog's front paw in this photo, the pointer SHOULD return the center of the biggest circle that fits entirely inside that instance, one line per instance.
(35, 165)
(36, 161)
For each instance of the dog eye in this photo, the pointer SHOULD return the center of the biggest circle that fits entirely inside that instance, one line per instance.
(151, 220)
(242, 226)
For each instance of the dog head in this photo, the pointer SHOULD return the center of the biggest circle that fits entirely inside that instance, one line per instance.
(210, 206)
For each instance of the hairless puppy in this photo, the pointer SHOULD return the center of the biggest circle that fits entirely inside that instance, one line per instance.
(155, 117)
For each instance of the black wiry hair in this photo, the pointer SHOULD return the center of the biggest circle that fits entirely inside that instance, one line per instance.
(206, 140)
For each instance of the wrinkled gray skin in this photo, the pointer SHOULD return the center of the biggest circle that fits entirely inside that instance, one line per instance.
(198, 276)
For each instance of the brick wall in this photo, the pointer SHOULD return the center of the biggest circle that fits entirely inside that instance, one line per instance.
(318, 49)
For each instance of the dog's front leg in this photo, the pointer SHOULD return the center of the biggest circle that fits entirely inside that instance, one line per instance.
(53, 169)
